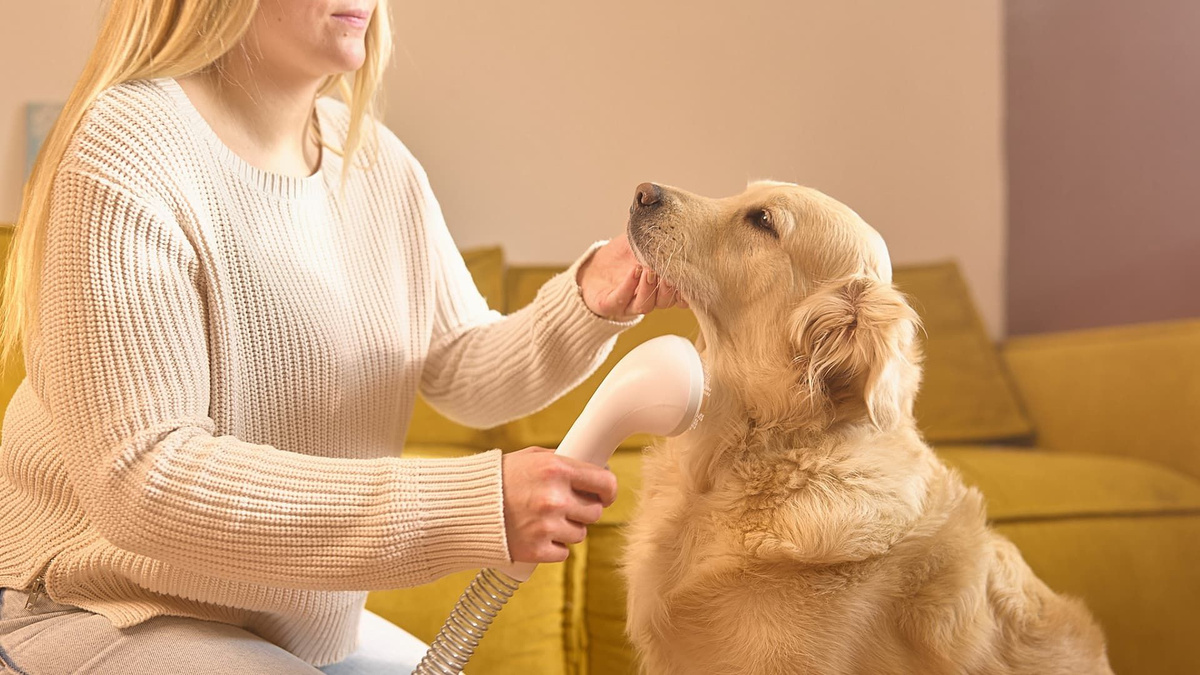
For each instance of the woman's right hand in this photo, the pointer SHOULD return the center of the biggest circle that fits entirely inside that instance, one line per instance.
(548, 502)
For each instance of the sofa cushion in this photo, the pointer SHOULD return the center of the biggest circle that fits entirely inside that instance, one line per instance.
(535, 633)
(486, 266)
(1123, 390)
(1019, 484)
(1122, 534)
(14, 370)
(428, 426)
(1022, 485)
(1137, 576)
(966, 395)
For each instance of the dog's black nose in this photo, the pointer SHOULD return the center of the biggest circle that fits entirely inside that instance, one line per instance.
(647, 194)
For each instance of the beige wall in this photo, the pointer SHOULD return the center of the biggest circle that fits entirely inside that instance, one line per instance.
(43, 46)
(537, 119)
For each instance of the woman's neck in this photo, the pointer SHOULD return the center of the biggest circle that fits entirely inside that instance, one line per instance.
(266, 118)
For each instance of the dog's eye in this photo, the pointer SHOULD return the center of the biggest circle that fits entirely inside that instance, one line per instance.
(761, 218)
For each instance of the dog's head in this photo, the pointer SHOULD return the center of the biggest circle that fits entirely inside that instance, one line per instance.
(793, 293)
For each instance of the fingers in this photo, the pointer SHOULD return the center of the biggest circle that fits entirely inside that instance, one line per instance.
(665, 297)
(554, 552)
(645, 298)
(623, 294)
(656, 293)
(569, 532)
(593, 480)
(640, 292)
(550, 551)
(587, 510)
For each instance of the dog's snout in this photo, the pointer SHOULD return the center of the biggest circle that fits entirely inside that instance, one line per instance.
(648, 194)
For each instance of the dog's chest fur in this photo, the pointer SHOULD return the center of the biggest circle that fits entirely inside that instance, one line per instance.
(777, 526)
(777, 555)
(769, 496)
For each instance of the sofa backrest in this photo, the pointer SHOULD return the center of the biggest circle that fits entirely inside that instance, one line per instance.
(14, 370)
(966, 396)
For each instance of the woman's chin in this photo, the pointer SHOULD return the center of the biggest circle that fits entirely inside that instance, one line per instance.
(348, 60)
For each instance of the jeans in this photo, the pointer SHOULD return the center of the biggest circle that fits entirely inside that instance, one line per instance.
(54, 639)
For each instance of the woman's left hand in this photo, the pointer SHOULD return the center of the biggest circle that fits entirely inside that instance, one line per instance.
(617, 287)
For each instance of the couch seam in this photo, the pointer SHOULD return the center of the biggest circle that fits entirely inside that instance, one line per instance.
(1167, 513)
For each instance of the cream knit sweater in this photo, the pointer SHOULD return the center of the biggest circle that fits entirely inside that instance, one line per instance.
(227, 362)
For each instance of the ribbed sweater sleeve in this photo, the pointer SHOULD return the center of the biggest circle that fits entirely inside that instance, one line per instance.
(484, 368)
(124, 371)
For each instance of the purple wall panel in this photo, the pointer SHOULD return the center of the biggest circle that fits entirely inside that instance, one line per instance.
(1103, 138)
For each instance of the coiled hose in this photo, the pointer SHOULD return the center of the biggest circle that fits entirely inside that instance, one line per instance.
(474, 612)
(658, 389)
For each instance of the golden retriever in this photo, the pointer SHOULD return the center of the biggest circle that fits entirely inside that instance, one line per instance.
(804, 526)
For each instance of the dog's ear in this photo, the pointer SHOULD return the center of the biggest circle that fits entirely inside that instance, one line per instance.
(854, 343)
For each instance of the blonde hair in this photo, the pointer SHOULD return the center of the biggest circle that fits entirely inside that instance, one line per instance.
(142, 39)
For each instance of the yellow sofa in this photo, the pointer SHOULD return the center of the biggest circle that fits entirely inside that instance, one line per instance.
(1086, 445)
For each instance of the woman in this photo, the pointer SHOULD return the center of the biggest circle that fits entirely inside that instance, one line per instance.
(230, 290)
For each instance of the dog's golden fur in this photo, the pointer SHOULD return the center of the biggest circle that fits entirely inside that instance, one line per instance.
(805, 526)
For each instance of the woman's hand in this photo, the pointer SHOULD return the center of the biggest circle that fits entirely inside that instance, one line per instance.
(548, 502)
(617, 287)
